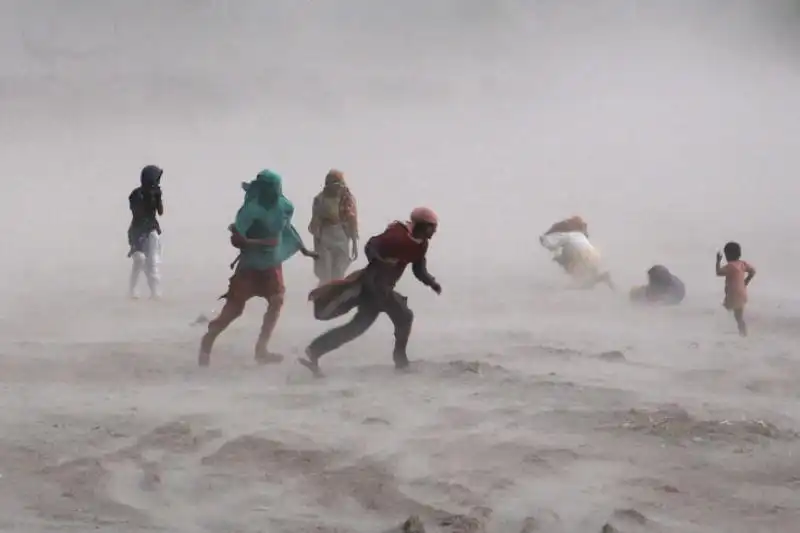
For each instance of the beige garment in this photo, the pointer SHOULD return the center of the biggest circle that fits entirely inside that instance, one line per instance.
(329, 208)
(574, 223)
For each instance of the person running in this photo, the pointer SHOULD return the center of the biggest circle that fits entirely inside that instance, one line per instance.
(334, 225)
(738, 274)
(266, 238)
(144, 232)
(663, 287)
(371, 290)
(569, 241)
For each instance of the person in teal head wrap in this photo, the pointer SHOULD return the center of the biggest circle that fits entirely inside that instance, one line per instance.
(266, 238)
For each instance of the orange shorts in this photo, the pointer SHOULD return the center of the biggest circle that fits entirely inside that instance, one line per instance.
(249, 283)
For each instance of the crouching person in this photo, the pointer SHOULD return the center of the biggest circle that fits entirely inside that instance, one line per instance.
(371, 290)
(663, 287)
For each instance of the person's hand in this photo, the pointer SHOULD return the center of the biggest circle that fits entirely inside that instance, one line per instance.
(719, 257)
(354, 251)
(436, 287)
(308, 253)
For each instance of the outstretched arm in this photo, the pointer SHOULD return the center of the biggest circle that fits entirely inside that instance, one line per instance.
(303, 250)
(420, 270)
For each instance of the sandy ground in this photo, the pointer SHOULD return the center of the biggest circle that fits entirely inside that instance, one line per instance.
(508, 417)
(531, 407)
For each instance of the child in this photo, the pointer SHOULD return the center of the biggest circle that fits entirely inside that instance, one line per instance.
(738, 275)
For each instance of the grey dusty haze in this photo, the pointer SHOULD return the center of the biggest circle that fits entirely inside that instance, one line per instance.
(671, 126)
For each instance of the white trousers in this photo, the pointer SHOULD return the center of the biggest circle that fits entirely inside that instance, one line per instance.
(333, 247)
(149, 263)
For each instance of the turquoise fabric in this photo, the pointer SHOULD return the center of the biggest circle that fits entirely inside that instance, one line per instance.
(267, 214)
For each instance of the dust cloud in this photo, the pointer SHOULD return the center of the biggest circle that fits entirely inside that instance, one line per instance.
(671, 127)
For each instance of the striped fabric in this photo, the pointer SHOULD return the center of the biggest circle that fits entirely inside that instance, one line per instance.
(348, 214)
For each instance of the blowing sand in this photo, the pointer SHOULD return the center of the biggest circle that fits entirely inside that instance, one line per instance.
(530, 407)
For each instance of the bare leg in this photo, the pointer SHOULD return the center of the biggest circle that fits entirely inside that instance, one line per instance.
(230, 312)
(263, 355)
(738, 314)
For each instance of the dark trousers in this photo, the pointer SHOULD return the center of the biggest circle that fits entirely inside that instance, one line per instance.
(370, 306)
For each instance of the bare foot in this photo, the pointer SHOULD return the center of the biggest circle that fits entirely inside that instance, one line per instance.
(402, 365)
(312, 365)
(203, 359)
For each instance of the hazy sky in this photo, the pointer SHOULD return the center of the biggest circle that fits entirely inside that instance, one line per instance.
(671, 126)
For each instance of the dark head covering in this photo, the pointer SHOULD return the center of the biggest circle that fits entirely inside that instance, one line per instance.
(151, 176)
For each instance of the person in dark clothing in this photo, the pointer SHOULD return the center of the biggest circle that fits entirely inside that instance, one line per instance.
(144, 232)
(371, 290)
(663, 287)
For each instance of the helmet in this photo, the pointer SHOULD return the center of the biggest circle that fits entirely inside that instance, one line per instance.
(424, 215)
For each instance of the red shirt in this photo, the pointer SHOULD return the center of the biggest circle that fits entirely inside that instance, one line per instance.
(398, 248)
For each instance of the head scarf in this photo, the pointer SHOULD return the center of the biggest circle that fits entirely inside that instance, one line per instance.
(334, 182)
(659, 275)
(264, 202)
(574, 223)
(336, 186)
(150, 176)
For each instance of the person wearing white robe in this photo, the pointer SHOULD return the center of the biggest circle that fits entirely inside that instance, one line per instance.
(577, 256)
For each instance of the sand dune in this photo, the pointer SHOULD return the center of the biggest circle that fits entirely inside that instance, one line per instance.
(530, 407)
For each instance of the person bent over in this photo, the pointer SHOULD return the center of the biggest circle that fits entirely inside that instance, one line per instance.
(663, 287)
(371, 290)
